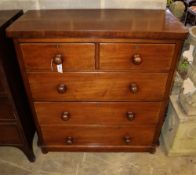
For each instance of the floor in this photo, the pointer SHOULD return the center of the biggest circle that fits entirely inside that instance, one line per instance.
(13, 162)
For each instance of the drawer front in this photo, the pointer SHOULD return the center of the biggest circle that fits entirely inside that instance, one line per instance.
(145, 57)
(97, 136)
(97, 86)
(9, 134)
(6, 111)
(88, 113)
(46, 57)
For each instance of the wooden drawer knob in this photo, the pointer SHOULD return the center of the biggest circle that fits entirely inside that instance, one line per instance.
(61, 88)
(134, 88)
(137, 59)
(127, 139)
(69, 140)
(65, 116)
(130, 116)
(58, 59)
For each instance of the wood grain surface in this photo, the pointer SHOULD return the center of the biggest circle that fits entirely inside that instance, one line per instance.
(105, 23)
(100, 86)
(97, 113)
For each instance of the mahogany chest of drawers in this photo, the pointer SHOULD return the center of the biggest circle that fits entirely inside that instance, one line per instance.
(16, 122)
(98, 80)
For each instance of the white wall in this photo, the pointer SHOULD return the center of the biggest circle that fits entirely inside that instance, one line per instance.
(61, 4)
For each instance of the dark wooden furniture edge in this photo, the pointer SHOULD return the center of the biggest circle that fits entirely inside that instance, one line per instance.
(16, 98)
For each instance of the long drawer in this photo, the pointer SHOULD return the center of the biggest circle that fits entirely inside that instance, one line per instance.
(97, 113)
(97, 136)
(46, 57)
(98, 86)
(136, 56)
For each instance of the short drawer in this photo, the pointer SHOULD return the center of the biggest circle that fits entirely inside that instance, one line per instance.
(97, 86)
(9, 134)
(46, 57)
(132, 56)
(97, 136)
(101, 113)
(6, 110)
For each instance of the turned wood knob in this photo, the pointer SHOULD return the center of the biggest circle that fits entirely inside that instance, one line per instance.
(127, 139)
(61, 88)
(134, 88)
(65, 116)
(58, 59)
(130, 116)
(137, 59)
(69, 140)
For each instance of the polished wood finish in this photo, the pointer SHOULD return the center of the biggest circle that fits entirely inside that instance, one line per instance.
(137, 59)
(97, 136)
(16, 123)
(74, 56)
(69, 140)
(65, 116)
(61, 88)
(97, 113)
(57, 59)
(133, 56)
(146, 24)
(97, 41)
(112, 97)
(110, 86)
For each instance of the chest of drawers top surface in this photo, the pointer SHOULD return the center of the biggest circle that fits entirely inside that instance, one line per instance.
(156, 24)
